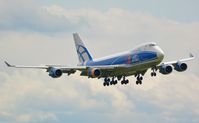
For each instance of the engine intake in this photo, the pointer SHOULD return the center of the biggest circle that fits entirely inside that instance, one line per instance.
(55, 73)
(180, 67)
(94, 73)
(166, 69)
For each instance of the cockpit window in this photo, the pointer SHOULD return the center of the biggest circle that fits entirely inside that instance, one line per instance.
(151, 45)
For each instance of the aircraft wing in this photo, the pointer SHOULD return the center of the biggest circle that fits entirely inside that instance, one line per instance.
(70, 70)
(65, 69)
(191, 57)
(22, 66)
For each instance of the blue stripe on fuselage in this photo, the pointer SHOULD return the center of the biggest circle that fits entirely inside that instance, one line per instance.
(134, 58)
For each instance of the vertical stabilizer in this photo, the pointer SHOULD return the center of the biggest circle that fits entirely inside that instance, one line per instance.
(82, 51)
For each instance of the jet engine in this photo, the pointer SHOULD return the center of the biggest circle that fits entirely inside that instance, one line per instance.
(94, 73)
(180, 67)
(166, 69)
(55, 73)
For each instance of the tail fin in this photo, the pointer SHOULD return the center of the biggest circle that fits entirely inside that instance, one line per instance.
(82, 52)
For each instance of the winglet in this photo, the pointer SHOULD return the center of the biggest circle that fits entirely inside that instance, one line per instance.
(191, 55)
(8, 64)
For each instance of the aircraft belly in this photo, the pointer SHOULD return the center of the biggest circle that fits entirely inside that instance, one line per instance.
(138, 68)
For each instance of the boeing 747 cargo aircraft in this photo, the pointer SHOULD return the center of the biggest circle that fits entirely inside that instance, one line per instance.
(117, 67)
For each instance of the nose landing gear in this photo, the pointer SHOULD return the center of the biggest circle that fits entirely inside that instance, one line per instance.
(153, 73)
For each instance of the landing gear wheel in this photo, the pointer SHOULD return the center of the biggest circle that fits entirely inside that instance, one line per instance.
(124, 81)
(139, 79)
(138, 82)
(115, 82)
(112, 82)
(153, 74)
(106, 82)
(127, 81)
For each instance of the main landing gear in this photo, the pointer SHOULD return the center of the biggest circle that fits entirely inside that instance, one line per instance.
(124, 81)
(139, 79)
(108, 81)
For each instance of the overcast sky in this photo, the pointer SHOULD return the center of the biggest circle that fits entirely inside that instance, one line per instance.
(35, 32)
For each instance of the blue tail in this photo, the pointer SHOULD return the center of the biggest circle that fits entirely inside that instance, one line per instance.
(82, 52)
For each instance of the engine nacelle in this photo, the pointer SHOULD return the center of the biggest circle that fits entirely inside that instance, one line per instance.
(94, 73)
(55, 73)
(166, 69)
(180, 67)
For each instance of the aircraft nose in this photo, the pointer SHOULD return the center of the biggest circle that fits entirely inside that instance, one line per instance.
(160, 53)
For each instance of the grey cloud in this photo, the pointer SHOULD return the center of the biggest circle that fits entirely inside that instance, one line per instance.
(26, 16)
(30, 96)
(60, 96)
